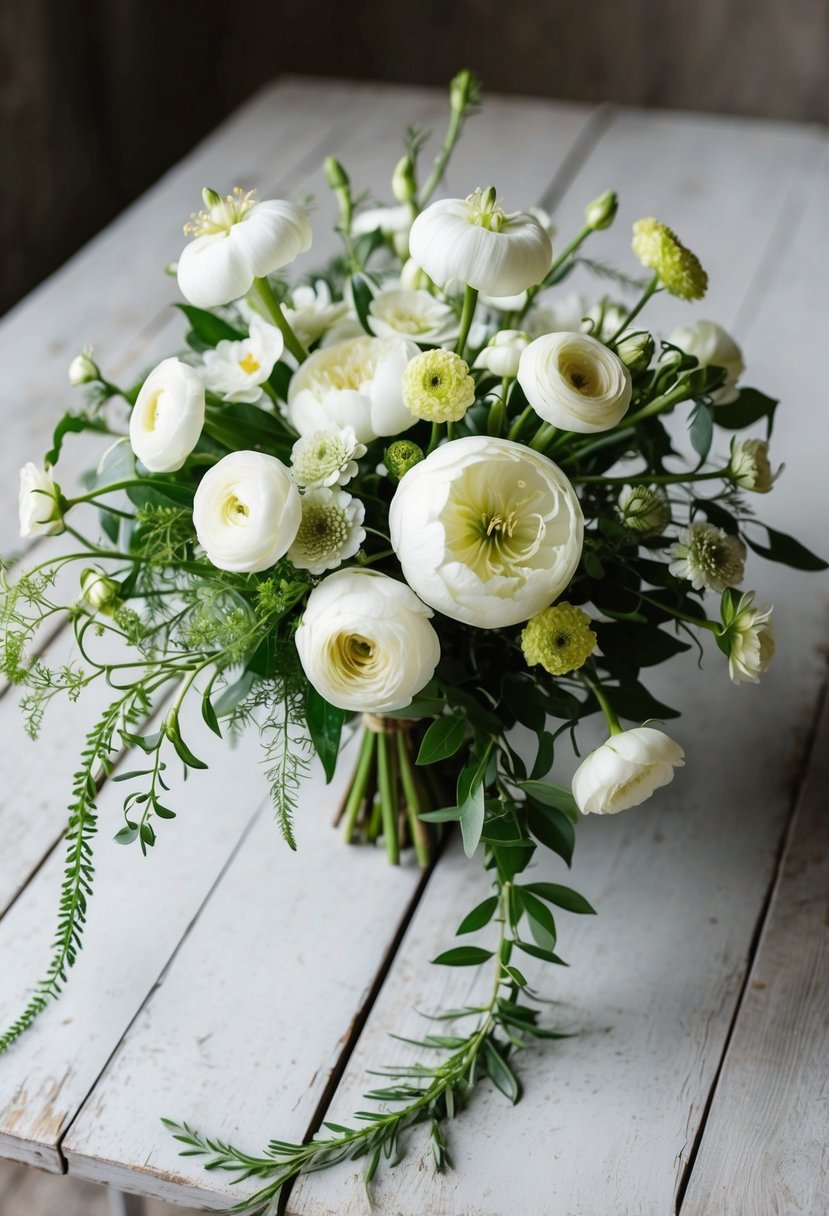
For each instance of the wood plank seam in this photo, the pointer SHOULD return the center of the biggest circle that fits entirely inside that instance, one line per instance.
(595, 128)
(756, 937)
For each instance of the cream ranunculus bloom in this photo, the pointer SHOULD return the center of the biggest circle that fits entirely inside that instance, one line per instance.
(502, 355)
(237, 370)
(356, 383)
(168, 417)
(626, 770)
(711, 346)
(38, 503)
(365, 642)
(575, 382)
(474, 241)
(238, 239)
(487, 531)
(247, 512)
(398, 313)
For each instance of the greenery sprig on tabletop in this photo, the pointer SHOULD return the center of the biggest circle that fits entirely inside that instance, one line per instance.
(420, 495)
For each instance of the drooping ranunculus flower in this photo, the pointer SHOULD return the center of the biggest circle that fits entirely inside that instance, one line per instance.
(626, 770)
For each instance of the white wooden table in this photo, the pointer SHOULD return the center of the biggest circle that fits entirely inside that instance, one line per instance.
(243, 988)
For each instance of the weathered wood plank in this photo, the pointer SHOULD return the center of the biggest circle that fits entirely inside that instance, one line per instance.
(680, 882)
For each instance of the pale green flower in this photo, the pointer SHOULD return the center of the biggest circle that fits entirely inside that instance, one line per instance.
(660, 249)
(750, 467)
(747, 637)
(437, 386)
(708, 557)
(327, 457)
(330, 530)
(644, 509)
(559, 638)
(401, 456)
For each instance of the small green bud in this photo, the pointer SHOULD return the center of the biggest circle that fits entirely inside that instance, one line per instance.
(99, 591)
(211, 198)
(335, 174)
(403, 183)
(602, 211)
(83, 369)
(644, 509)
(464, 91)
(401, 456)
(636, 351)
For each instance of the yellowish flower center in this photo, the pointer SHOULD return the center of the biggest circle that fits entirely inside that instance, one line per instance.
(235, 511)
(249, 364)
(220, 214)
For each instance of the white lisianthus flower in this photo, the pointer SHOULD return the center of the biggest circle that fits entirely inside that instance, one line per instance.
(711, 346)
(355, 383)
(38, 503)
(238, 239)
(168, 417)
(487, 531)
(398, 313)
(83, 369)
(313, 312)
(626, 770)
(247, 512)
(750, 465)
(330, 532)
(236, 371)
(575, 382)
(326, 458)
(747, 638)
(476, 242)
(708, 557)
(502, 354)
(365, 642)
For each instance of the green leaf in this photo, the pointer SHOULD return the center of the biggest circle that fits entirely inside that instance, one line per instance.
(472, 819)
(126, 835)
(500, 1073)
(542, 922)
(147, 743)
(362, 296)
(479, 916)
(72, 424)
(443, 738)
(785, 549)
(446, 814)
(539, 952)
(325, 726)
(701, 430)
(553, 829)
(208, 328)
(209, 715)
(551, 795)
(562, 897)
(463, 956)
(750, 406)
(239, 426)
(173, 733)
(233, 694)
(634, 702)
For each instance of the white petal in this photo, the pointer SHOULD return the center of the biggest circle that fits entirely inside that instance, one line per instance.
(212, 271)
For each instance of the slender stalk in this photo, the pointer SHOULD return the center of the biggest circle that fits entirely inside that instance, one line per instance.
(659, 405)
(420, 837)
(442, 158)
(652, 287)
(545, 433)
(652, 479)
(470, 299)
(703, 623)
(520, 422)
(388, 809)
(614, 726)
(264, 291)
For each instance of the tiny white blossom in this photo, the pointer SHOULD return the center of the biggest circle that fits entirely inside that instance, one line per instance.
(330, 531)
(327, 457)
(236, 371)
(708, 557)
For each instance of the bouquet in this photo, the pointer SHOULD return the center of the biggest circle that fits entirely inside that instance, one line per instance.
(420, 496)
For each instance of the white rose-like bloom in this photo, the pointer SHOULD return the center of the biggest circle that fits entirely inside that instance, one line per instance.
(37, 503)
(487, 531)
(626, 770)
(503, 353)
(356, 383)
(237, 370)
(247, 512)
(711, 346)
(399, 313)
(575, 382)
(168, 417)
(237, 240)
(476, 242)
(366, 643)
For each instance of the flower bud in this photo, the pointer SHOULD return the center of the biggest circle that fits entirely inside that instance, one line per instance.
(335, 174)
(401, 456)
(602, 211)
(211, 198)
(403, 184)
(99, 591)
(83, 369)
(635, 350)
(644, 509)
(464, 91)
(750, 467)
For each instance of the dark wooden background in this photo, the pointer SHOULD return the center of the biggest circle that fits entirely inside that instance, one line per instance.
(98, 97)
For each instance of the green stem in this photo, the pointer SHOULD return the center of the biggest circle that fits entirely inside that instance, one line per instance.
(470, 299)
(653, 479)
(388, 807)
(652, 287)
(442, 158)
(359, 784)
(545, 433)
(520, 422)
(613, 723)
(659, 405)
(126, 484)
(434, 438)
(264, 291)
(420, 837)
(703, 623)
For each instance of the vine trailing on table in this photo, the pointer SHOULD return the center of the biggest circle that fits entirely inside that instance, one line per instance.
(422, 487)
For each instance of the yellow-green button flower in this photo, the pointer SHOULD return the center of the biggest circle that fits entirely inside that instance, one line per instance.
(559, 638)
(437, 386)
(660, 249)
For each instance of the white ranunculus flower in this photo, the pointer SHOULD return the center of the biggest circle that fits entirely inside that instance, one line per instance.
(331, 530)
(37, 503)
(398, 313)
(356, 383)
(246, 512)
(168, 417)
(575, 382)
(236, 371)
(711, 346)
(237, 240)
(476, 242)
(750, 640)
(365, 642)
(313, 312)
(626, 770)
(503, 353)
(487, 531)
